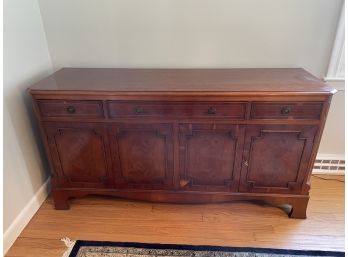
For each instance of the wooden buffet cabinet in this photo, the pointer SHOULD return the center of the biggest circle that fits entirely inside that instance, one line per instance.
(182, 135)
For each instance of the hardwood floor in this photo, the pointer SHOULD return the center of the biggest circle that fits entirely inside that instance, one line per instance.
(227, 224)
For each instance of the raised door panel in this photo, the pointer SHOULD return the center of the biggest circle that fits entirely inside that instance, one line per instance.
(79, 154)
(210, 156)
(276, 158)
(142, 155)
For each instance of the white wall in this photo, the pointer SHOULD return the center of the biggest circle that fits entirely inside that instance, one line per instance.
(191, 33)
(26, 60)
(332, 142)
(198, 33)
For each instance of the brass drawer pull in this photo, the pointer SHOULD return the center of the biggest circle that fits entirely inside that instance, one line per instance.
(285, 110)
(71, 109)
(139, 110)
(211, 110)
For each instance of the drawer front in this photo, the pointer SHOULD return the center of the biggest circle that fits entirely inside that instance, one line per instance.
(62, 108)
(118, 109)
(286, 110)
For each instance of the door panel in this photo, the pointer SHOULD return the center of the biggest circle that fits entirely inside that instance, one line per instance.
(142, 155)
(210, 156)
(79, 154)
(276, 158)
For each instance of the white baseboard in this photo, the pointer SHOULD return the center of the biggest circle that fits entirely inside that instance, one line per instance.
(25, 216)
(333, 173)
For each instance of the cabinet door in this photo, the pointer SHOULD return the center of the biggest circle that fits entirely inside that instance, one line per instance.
(276, 158)
(79, 154)
(210, 156)
(142, 155)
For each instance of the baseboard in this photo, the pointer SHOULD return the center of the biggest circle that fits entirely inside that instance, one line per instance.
(25, 216)
(329, 164)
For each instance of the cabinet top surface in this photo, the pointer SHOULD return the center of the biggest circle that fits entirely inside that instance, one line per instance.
(83, 80)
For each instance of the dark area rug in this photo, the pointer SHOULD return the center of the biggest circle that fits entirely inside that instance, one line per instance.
(113, 249)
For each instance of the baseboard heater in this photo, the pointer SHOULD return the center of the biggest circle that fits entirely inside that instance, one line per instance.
(330, 165)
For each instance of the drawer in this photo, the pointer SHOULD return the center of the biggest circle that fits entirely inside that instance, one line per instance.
(286, 110)
(118, 109)
(71, 108)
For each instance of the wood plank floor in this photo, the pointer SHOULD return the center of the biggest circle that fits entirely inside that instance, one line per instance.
(227, 224)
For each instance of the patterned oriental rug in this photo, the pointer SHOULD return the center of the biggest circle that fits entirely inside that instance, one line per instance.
(112, 249)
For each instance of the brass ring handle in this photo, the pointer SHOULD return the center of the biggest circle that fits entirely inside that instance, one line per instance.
(71, 109)
(211, 110)
(139, 110)
(285, 110)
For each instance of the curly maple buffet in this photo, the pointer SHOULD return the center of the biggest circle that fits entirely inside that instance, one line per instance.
(182, 135)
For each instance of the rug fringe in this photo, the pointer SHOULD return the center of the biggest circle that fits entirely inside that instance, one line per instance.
(68, 243)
